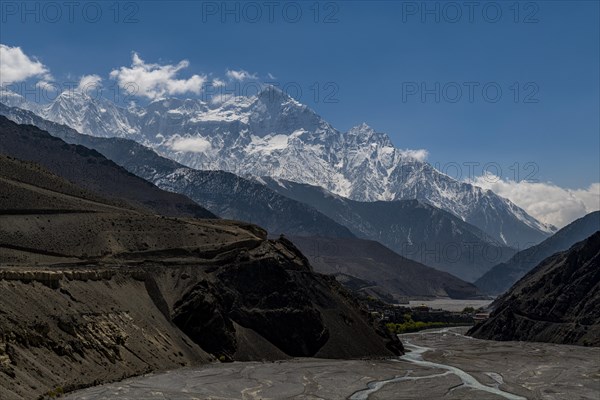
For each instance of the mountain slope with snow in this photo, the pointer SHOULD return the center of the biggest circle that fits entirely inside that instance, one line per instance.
(271, 134)
(224, 193)
(413, 229)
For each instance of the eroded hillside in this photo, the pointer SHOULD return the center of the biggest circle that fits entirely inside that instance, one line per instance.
(94, 290)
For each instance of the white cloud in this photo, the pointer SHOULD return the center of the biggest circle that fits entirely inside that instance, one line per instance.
(190, 144)
(240, 75)
(16, 66)
(271, 76)
(155, 80)
(420, 154)
(547, 202)
(47, 86)
(218, 83)
(88, 83)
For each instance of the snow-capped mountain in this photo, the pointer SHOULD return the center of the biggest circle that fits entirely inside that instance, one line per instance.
(418, 231)
(411, 228)
(271, 134)
(12, 99)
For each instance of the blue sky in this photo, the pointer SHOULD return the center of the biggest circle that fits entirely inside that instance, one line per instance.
(372, 59)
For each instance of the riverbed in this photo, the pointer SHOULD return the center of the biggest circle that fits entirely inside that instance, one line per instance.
(450, 304)
(439, 364)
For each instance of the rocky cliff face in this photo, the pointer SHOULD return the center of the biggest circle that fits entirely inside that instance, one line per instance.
(65, 328)
(69, 326)
(558, 301)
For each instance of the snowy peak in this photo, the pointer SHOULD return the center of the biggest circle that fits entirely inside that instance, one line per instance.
(362, 129)
(11, 98)
(274, 112)
(271, 134)
(363, 134)
(273, 95)
(90, 114)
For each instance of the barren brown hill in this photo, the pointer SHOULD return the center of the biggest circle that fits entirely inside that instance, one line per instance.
(94, 290)
(91, 170)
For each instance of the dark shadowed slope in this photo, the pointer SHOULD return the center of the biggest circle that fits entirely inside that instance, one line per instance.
(20, 179)
(223, 193)
(558, 301)
(504, 275)
(380, 271)
(91, 170)
(411, 228)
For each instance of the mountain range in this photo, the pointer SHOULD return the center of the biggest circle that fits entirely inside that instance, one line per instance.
(502, 276)
(225, 194)
(412, 228)
(271, 134)
(368, 267)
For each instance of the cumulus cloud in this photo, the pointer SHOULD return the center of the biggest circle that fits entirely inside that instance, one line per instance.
(89, 82)
(190, 144)
(16, 66)
(155, 80)
(547, 202)
(46, 86)
(240, 75)
(218, 83)
(419, 154)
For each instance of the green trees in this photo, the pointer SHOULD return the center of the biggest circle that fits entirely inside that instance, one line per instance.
(409, 325)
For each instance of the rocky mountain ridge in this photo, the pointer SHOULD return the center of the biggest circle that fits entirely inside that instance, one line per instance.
(372, 269)
(558, 301)
(226, 194)
(502, 276)
(413, 229)
(271, 134)
(234, 197)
